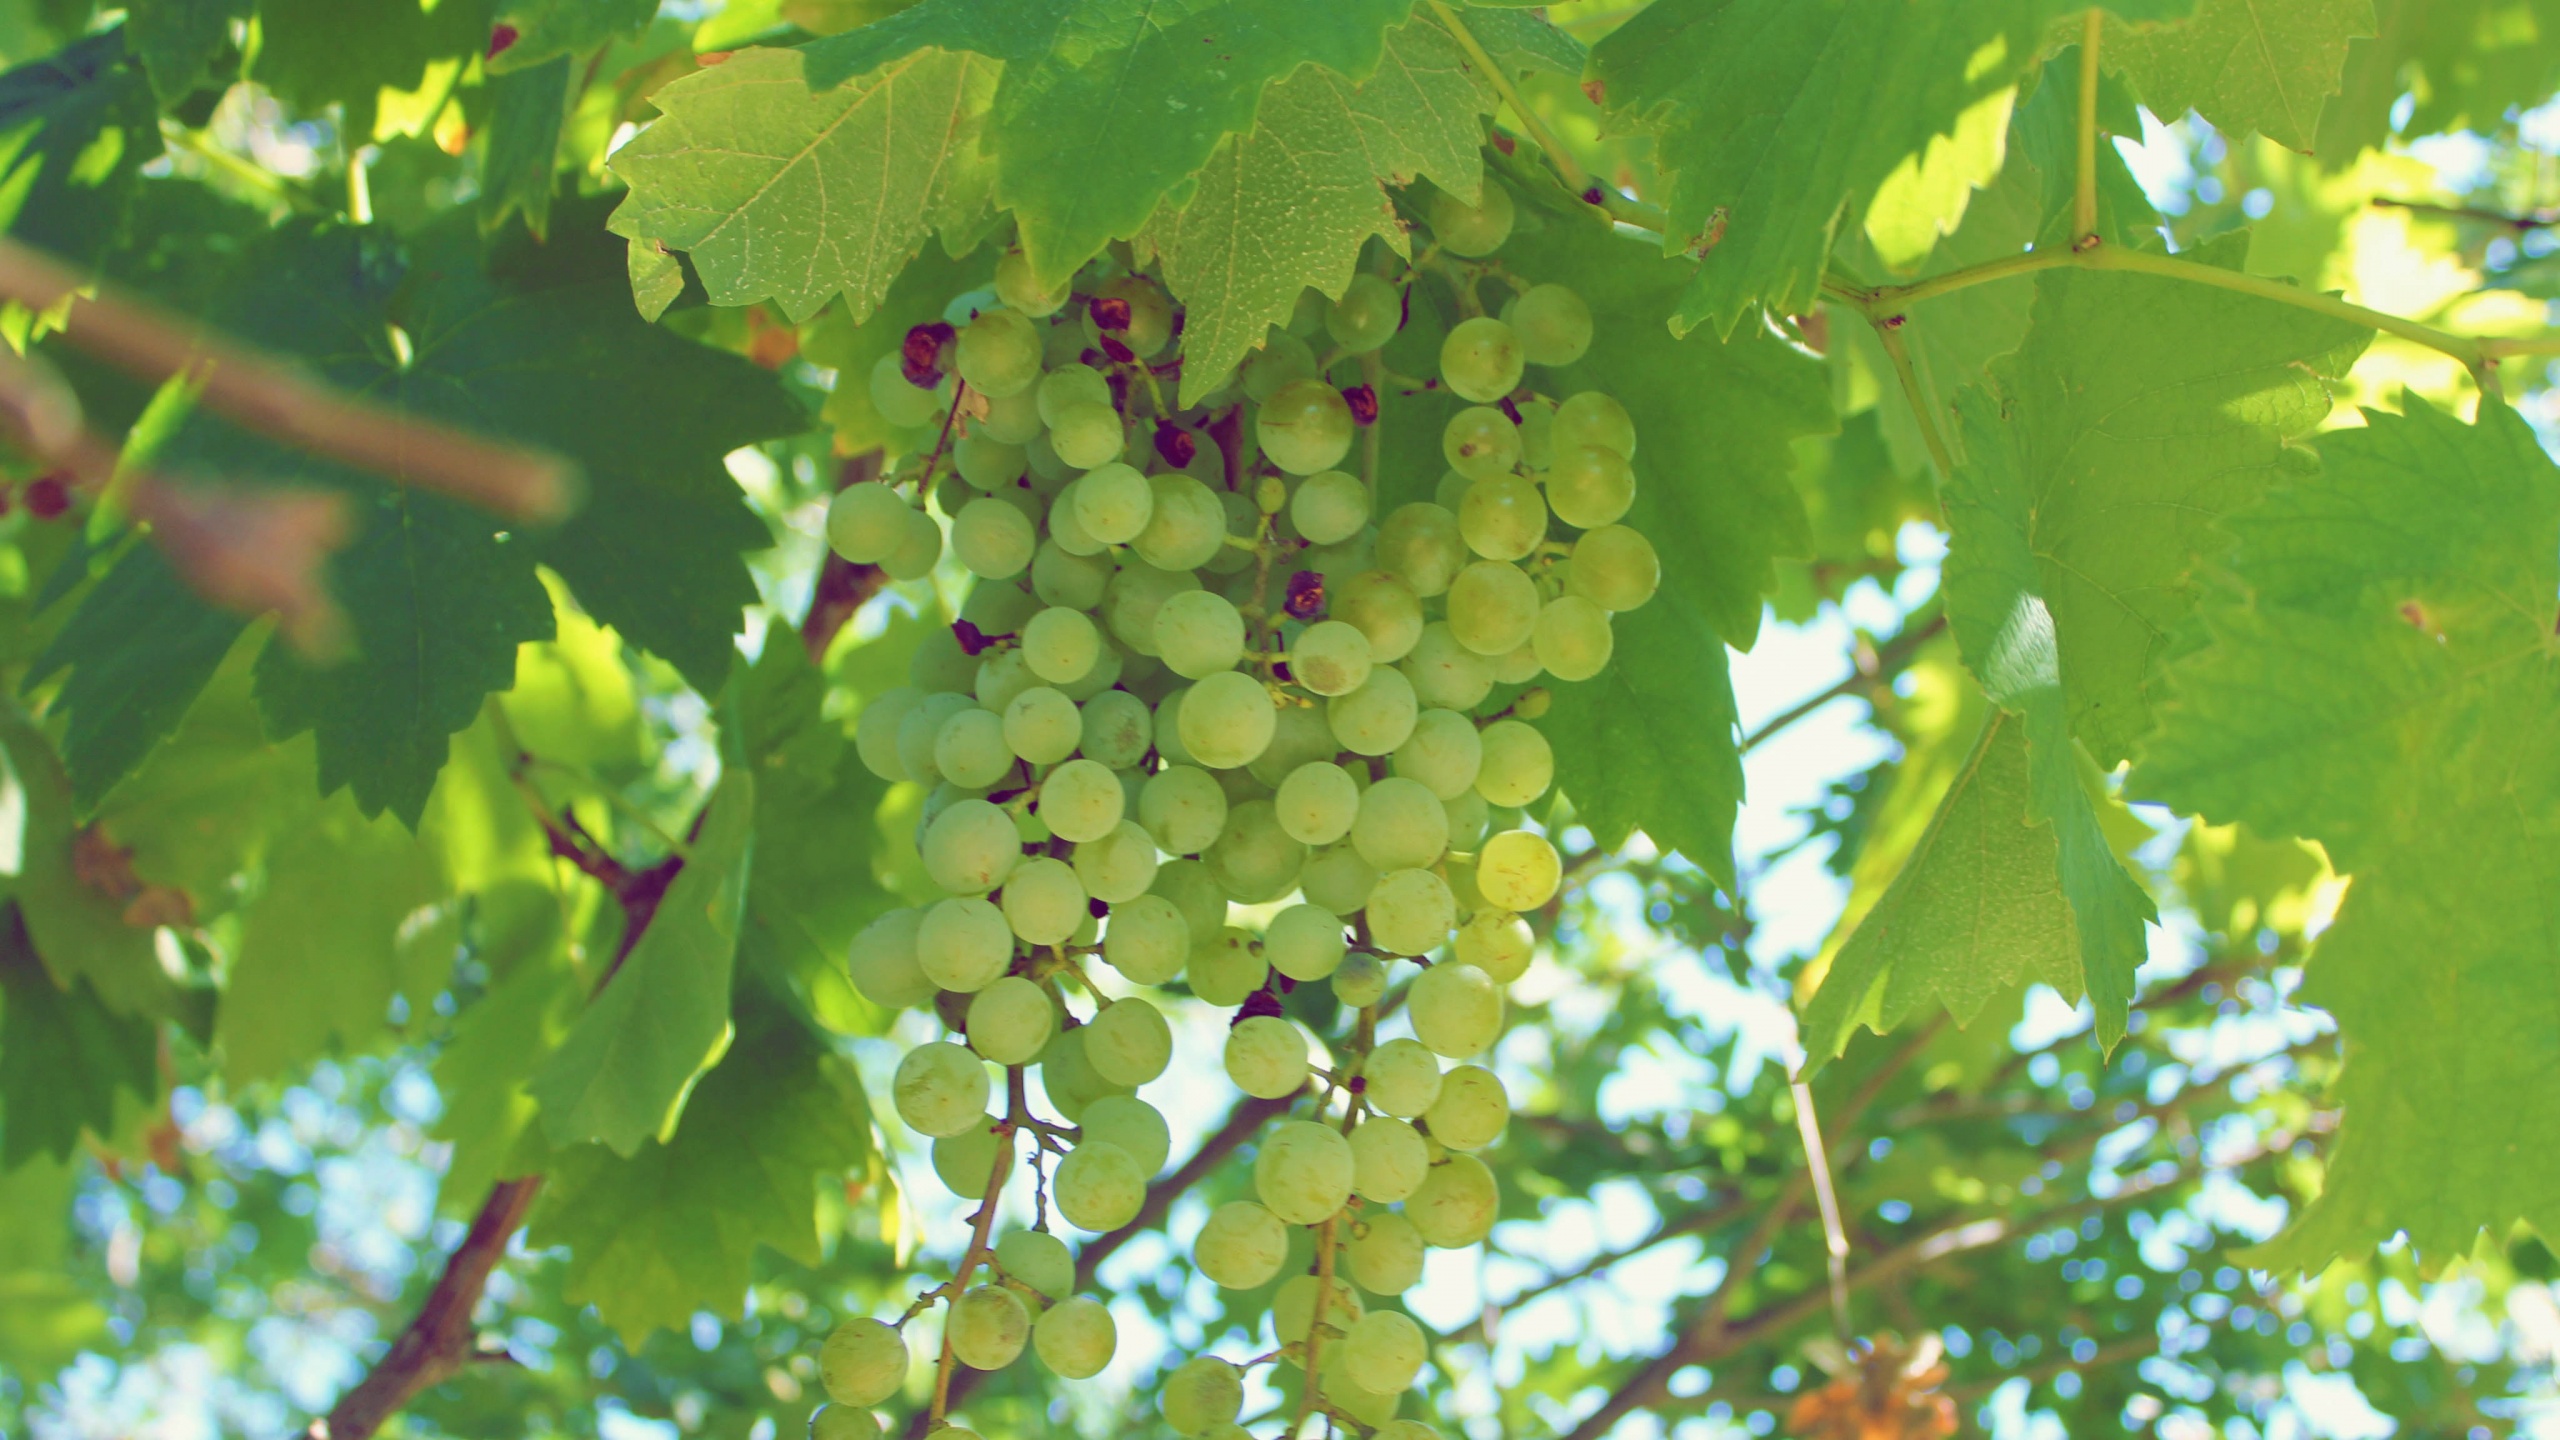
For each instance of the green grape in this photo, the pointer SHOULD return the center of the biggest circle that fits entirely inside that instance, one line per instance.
(1010, 1021)
(1098, 1186)
(1187, 528)
(1037, 1259)
(1456, 1203)
(1242, 1246)
(998, 609)
(1614, 568)
(1105, 673)
(1148, 939)
(1469, 818)
(1198, 633)
(1013, 421)
(1225, 968)
(1330, 507)
(863, 1362)
(970, 752)
(1400, 825)
(1384, 1253)
(1402, 1078)
(988, 464)
(1072, 385)
(883, 961)
(1254, 860)
(963, 945)
(1457, 1009)
(1388, 1159)
(1082, 801)
(1059, 645)
(1451, 491)
(988, 1327)
(1114, 502)
(1331, 657)
(1411, 912)
(1117, 729)
(1338, 879)
(1301, 736)
(1018, 286)
(1445, 674)
(1150, 315)
(1443, 754)
(1471, 230)
(939, 664)
(1128, 1043)
(1503, 518)
(1267, 1057)
(1480, 442)
(920, 728)
(1471, 1111)
(1059, 577)
(1384, 1351)
(941, 1089)
(1070, 1078)
(1137, 595)
(1317, 803)
(1076, 1337)
(1480, 360)
(1590, 486)
(843, 1422)
(1385, 609)
(1303, 1173)
(1283, 358)
(1553, 324)
(993, 539)
(1304, 942)
(1001, 676)
(875, 732)
(1201, 1392)
(1293, 1308)
(1049, 474)
(919, 549)
(1573, 638)
(1499, 944)
(1537, 431)
(866, 522)
(1227, 720)
(1518, 763)
(1087, 436)
(898, 402)
(1068, 533)
(1133, 1125)
(999, 353)
(970, 848)
(1421, 545)
(1044, 902)
(1183, 808)
(1042, 726)
(1377, 717)
(1194, 891)
(1406, 1430)
(1493, 607)
(1361, 982)
(1242, 517)
(1168, 732)
(1305, 427)
(1119, 865)
(1367, 316)
(1592, 418)
(966, 1162)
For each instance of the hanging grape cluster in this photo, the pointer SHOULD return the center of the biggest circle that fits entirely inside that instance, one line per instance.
(1197, 679)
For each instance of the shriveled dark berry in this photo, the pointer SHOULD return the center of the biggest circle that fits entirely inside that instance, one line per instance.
(971, 638)
(1117, 351)
(47, 496)
(1175, 444)
(1111, 313)
(1260, 1002)
(920, 354)
(1306, 595)
(1364, 404)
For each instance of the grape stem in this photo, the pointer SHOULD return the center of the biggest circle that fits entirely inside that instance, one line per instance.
(2084, 199)
(982, 1224)
(1316, 1321)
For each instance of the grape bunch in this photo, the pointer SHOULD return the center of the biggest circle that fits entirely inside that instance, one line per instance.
(1206, 717)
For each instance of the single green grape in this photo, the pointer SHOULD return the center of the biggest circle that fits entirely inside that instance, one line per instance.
(1573, 638)
(1480, 360)
(1493, 607)
(1614, 568)
(1305, 427)
(1503, 518)
(1480, 442)
(1367, 316)
(1457, 1009)
(865, 523)
(1330, 506)
(1553, 323)
(1471, 230)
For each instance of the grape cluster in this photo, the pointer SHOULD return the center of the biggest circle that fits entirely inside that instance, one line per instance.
(1199, 678)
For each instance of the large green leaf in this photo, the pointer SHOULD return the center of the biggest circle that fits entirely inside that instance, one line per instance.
(784, 193)
(178, 40)
(1777, 122)
(63, 1056)
(2386, 687)
(1289, 203)
(2461, 61)
(1109, 105)
(499, 1043)
(314, 53)
(79, 931)
(549, 29)
(673, 1229)
(622, 1074)
(2263, 65)
(75, 130)
(526, 108)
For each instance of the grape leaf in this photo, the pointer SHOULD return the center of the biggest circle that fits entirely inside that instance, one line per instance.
(2263, 65)
(80, 933)
(1289, 203)
(178, 40)
(623, 1073)
(314, 53)
(673, 1229)
(499, 1042)
(784, 193)
(526, 108)
(1109, 105)
(1975, 910)
(2473, 63)
(1777, 121)
(549, 29)
(133, 657)
(76, 128)
(2385, 687)
(63, 1055)
(46, 1315)
(1523, 40)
